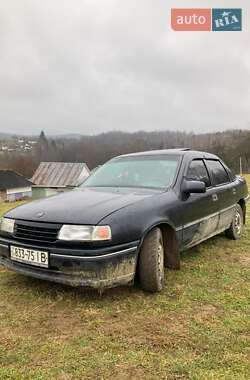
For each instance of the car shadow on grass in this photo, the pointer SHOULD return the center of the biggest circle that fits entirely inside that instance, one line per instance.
(46, 289)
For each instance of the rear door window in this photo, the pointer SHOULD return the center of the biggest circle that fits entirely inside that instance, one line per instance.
(197, 171)
(218, 172)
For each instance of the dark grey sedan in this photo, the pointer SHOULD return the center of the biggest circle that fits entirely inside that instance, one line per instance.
(134, 215)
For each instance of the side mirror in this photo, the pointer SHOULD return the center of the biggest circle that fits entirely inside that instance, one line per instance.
(193, 187)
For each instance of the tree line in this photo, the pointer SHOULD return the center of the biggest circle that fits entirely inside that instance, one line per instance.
(97, 149)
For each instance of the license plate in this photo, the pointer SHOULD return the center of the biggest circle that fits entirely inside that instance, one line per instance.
(29, 256)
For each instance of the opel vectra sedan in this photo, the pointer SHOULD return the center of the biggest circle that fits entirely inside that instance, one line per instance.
(134, 215)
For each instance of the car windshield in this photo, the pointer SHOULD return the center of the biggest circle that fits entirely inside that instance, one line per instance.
(136, 171)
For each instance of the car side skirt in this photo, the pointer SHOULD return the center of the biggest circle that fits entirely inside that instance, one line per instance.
(200, 228)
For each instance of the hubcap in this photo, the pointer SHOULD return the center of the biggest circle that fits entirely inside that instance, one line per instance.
(237, 223)
(161, 261)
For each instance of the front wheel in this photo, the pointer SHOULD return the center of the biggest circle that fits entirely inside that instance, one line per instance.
(235, 230)
(151, 262)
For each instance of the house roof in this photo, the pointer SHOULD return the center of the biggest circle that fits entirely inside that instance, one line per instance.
(11, 180)
(60, 174)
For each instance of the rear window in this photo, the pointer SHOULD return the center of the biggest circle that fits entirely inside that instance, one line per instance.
(218, 172)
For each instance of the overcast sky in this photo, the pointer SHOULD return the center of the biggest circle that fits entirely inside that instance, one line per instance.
(88, 66)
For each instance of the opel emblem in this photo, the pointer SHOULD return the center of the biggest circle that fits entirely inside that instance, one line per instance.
(40, 214)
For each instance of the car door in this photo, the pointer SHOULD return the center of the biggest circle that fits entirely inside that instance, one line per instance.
(224, 190)
(199, 212)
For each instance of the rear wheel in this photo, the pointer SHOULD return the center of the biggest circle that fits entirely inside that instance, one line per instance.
(235, 230)
(151, 262)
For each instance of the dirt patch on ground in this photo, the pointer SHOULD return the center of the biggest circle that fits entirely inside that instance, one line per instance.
(152, 330)
(245, 260)
(206, 313)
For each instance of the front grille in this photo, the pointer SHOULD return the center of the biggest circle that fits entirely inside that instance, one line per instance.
(36, 232)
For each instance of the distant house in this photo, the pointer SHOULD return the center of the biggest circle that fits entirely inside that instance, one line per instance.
(53, 177)
(14, 186)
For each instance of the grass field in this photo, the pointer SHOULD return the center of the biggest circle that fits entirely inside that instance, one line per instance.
(197, 328)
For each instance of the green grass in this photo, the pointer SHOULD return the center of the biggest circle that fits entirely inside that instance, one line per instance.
(197, 328)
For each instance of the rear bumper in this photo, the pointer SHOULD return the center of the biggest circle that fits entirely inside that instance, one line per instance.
(99, 268)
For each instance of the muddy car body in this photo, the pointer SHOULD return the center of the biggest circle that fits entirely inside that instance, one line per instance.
(135, 214)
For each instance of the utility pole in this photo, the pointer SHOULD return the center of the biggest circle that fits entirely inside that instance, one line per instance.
(241, 166)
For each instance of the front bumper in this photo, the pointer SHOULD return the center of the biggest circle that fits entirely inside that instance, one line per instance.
(99, 268)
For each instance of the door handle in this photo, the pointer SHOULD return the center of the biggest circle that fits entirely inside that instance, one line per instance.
(215, 197)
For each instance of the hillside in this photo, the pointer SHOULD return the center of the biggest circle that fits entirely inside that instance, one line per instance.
(96, 149)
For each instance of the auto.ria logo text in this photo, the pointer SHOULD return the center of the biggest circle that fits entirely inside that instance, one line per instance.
(206, 19)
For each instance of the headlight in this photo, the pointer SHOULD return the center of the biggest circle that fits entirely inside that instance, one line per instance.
(84, 233)
(7, 225)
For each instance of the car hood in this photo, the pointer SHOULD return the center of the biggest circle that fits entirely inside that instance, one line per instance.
(81, 206)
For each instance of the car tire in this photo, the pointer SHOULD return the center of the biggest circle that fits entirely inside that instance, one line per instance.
(151, 262)
(235, 230)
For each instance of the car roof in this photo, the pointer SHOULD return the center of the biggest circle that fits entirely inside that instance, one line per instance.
(178, 151)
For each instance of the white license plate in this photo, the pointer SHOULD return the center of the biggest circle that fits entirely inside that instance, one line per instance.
(29, 256)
